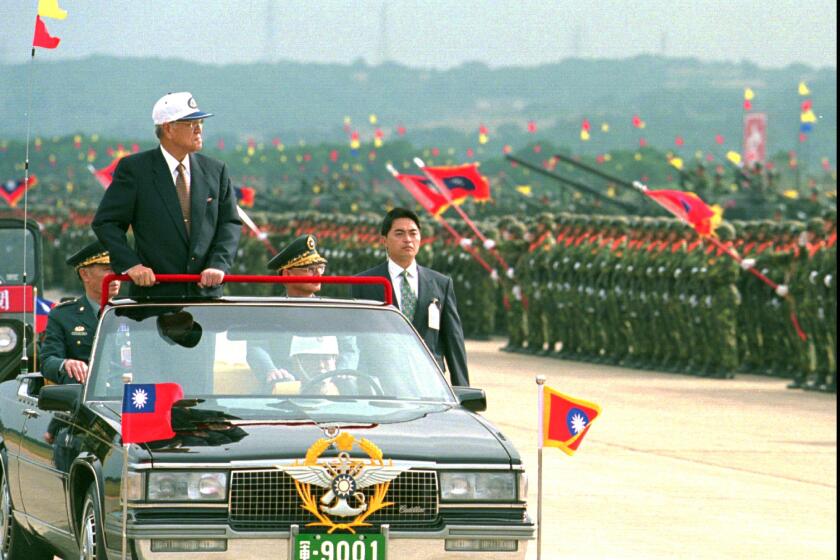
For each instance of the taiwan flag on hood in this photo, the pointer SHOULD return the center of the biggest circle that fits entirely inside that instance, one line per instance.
(42, 313)
(564, 420)
(147, 411)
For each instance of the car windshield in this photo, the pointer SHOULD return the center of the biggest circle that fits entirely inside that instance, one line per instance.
(253, 360)
(11, 255)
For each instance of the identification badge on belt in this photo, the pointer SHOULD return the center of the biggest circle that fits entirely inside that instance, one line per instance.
(434, 315)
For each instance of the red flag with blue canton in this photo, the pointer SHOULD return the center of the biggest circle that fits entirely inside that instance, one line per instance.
(461, 181)
(42, 313)
(688, 207)
(147, 411)
(566, 420)
(422, 191)
(13, 190)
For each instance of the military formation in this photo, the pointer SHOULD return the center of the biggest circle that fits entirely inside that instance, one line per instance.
(639, 292)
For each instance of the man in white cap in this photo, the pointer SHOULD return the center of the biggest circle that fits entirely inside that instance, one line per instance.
(179, 204)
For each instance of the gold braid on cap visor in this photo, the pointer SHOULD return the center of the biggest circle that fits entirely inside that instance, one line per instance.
(304, 260)
(101, 258)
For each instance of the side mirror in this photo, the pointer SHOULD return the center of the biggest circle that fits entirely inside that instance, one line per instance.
(60, 398)
(471, 398)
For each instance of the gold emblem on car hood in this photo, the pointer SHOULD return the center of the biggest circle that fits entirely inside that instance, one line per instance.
(344, 478)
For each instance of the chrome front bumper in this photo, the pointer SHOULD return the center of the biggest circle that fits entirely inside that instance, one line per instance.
(401, 546)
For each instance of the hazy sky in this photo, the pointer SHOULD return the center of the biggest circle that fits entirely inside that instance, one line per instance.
(432, 33)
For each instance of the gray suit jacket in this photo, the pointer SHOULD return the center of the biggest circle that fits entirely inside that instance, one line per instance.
(434, 288)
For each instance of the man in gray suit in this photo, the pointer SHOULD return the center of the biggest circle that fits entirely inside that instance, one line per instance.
(179, 204)
(426, 297)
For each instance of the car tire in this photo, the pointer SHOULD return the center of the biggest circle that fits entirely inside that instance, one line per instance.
(13, 542)
(91, 541)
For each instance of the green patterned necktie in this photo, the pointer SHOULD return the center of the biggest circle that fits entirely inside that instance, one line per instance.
(408, 300)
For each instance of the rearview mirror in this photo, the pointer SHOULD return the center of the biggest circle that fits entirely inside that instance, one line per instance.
(471, 398)
(60, 398)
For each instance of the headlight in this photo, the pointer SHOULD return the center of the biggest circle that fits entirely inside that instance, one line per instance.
(478, 486)
(8, 339)
(187, 487)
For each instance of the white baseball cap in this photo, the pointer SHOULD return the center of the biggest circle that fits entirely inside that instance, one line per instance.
(179, 106)
(313, 345)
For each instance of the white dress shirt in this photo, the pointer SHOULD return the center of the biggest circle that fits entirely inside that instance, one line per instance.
(172, 163)
(395, 271)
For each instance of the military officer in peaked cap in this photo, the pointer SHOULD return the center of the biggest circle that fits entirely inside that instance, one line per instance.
(270, 360)
(71, 325)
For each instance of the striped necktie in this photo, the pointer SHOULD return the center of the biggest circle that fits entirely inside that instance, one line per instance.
(408, 300)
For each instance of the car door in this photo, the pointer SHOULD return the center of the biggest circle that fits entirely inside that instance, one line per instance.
(12, 420)
(44, 466)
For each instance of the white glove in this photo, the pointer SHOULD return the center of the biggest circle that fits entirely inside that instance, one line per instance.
(466, 243)
(827, 280)
(747, 264)
(782, 290)
(510, 273)
(494, 275)
(489, 244)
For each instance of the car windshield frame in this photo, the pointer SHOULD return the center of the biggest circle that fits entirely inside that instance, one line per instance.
(371, 327)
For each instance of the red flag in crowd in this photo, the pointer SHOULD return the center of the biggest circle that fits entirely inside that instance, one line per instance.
(12, 190)
(105, 175)
(421, 189)
(565, 420)
(460, 182)
(245, 196)
(686, 206)
(42, 37)
(147, 411)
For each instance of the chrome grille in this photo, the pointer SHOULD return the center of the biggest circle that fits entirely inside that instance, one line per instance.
(267, 500)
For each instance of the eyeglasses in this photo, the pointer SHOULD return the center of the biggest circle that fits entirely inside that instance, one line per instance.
(314, 270)
(198, 123)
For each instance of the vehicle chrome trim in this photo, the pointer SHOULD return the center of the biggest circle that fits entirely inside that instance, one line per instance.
(269, 464)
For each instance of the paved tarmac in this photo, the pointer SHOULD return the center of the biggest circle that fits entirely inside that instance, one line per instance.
(676, 466)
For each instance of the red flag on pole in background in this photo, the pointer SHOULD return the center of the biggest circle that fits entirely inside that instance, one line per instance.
(42, 37)
(245, 196)
(147, 411)
(564, 420)
(12, 191)
(420, 188)
(688, 207)
(105, 175)
(461, 182)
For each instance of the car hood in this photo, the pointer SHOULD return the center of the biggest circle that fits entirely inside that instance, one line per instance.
(442, 434)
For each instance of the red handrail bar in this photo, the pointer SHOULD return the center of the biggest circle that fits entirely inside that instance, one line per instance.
(256, 279)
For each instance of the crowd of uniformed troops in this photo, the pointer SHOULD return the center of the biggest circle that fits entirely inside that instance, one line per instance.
(634, 291)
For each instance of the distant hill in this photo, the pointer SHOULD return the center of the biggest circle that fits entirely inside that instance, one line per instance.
(296, 101)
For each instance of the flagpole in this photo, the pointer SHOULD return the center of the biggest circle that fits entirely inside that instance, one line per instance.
(540, 379)
(127, 378)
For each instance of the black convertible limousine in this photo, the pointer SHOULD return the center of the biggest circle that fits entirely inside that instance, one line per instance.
(358, 450)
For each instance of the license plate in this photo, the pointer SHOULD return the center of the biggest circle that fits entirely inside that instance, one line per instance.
(339, 547)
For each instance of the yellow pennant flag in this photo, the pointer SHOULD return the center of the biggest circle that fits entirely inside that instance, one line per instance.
(584, 134)
(524, 189)
(808, 117)
(803, 89)
(749, 94)
(793, 194)
(734, 157)
(677, 162)
(605, 127)
(717, 218)
(50, 9)
(611, 191)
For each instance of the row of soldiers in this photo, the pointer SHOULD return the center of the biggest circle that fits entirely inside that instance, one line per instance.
(643, 292)
(650, 293)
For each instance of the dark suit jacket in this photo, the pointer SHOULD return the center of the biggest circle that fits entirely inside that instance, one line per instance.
(71, 327)
(142, 195)
(433, 288)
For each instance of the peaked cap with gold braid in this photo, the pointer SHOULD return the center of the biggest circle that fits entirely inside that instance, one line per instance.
(300, 253)
(94, 253)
